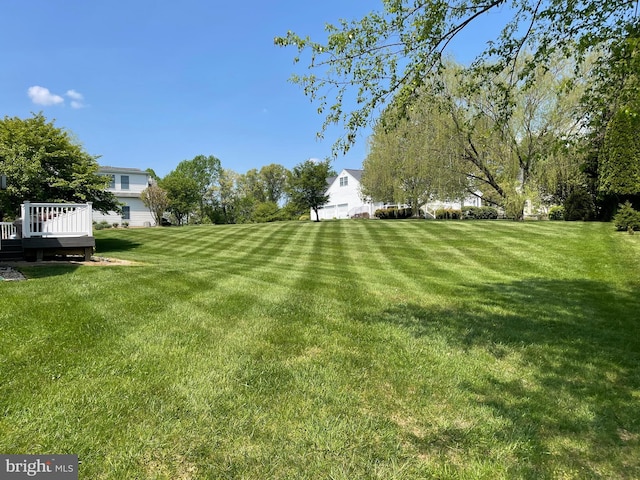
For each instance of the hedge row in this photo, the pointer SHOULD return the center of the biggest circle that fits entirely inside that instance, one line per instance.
(467, 213)
(448, 214)
(394, 213)
(479, 213)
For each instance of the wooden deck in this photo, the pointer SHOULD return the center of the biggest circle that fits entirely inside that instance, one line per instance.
(39, 248)
(48, 230)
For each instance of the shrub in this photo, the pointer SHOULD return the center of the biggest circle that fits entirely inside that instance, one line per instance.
(448, 214)
(305, 218)
(102, 225)
(627, 219)
(579, 206)
(265, 212)
(556, 212)
(479, 213)
(115, 224)
(514, 207)
(393, 213)
(361, 215)
(125, 224)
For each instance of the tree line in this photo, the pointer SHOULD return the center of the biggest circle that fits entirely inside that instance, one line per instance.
(44, 163)
(549, 112)
(200, 190)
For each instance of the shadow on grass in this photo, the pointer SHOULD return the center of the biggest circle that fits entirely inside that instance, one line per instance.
(114, 245)
(45, 269)
(560, 369)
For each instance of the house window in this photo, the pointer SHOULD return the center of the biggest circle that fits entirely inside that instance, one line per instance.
(112, 183)
(124, 182)
(344, 181)
(126, 212)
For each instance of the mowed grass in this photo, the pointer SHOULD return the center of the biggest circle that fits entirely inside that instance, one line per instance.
(341, 350)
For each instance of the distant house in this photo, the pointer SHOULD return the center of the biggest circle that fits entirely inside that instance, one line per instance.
(345, 199)
(127, 184)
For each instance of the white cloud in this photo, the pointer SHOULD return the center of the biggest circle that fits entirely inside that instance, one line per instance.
(42, 96)
(77, 99)
(75, 95)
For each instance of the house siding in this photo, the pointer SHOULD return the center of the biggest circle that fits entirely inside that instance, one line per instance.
(345, 198)
(139, 215)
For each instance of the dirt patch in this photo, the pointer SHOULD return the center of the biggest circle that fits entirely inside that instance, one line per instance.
(94, 262)
(8, 267)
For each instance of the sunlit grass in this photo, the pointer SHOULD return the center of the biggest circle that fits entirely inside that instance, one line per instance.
(347, 349)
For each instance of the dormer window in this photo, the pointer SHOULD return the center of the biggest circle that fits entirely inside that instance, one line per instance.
(344, 181)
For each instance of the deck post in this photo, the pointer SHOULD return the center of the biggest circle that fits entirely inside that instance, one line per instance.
(88, 219)
(25, 213)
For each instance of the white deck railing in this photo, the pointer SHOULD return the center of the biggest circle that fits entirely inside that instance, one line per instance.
(7, 230)
(56, 220)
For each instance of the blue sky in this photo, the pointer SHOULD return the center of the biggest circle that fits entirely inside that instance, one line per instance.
(146, 84)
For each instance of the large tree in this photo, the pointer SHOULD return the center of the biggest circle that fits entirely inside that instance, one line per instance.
(307, 185)
(156, 199)
(206, 172)
(388, 54)
(44, 163)
(619, 166)
(455, 136)
(228, 204)
(611, 106)
(504, 152)
(274, 180)
(183, 193)
(415, 159)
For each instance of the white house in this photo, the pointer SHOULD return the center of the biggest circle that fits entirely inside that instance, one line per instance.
(127, 184)
(345, 199)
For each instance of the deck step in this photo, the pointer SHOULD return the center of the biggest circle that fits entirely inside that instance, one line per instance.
(11, 250)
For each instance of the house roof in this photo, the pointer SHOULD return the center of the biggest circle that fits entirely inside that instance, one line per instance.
(357, 174)
(108, 169)
(330, 181)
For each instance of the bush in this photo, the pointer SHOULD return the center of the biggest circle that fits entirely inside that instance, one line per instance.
(115, 224)
(361, 215)
(102, 225)
(479, 213)
(265, 212)
(579, 206)
(556, 212)
(448, 214)
(627, 219)
(393, 213)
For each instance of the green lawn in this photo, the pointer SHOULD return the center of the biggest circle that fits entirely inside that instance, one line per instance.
(342, 350)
